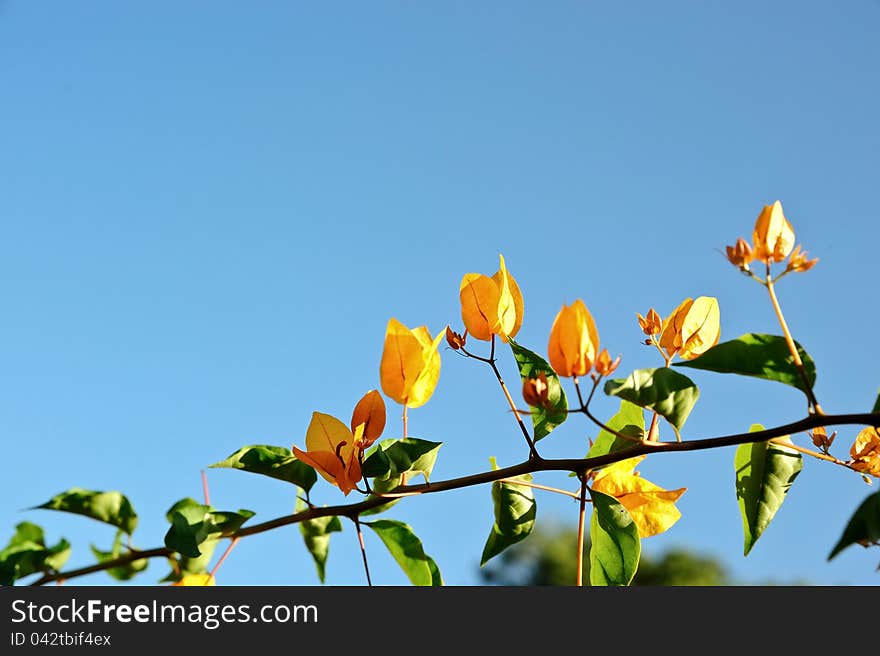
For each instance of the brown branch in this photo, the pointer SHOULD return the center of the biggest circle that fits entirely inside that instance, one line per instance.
(529, 466)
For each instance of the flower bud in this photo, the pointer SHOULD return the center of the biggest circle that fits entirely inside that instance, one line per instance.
(604, 365)
(799, 261)
(574, 341)
(740, 254)
(455, 340)
(535, 391)
(652, 324)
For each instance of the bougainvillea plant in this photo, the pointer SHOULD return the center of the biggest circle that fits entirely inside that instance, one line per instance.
(625, 507)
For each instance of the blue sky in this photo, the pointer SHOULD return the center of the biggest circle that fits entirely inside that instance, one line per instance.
(209, 212)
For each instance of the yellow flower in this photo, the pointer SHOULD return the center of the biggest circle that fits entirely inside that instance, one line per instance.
(651, 507)
(574, 341)
(196, 580)
(491, 306)
(333, 450)
(410, 364)
(773, 236)
(693, 328)
(865, 452)
(369, 416)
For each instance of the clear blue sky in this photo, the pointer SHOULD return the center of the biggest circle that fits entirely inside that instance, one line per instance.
(210, 210)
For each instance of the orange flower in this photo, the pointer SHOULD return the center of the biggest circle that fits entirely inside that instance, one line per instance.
(604, 365)
(740, 254)
(491, 306)
(693, 328)
(369, 417)
(865, 452)
(773, 236)
(652, 324)
(333, 450)
(410, 365)
(574, 341)
(799, 261)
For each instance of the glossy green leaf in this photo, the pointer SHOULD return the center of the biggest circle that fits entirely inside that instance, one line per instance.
(198, 565)
(531, 365)
(316, 534)
(615, 547)
(108, 507)
(515, 511)
(274, 461)
(27, 553)
(392, 458)
(192, 523)
(121, 572)
(863, 527)
(383, 486)
(666, 392)
(876, 408)
(756, 355)
(406, 548)
(764, 474)
(629, 420)
(436, 576)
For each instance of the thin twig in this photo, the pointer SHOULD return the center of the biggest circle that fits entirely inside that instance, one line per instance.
(585, 408)
(580, 539)
(357, 524)
(232, 543)
(557, 490)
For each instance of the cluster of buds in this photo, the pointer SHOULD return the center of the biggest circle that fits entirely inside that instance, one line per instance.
(455, 340)
(821, 439)
(772, 241)
(651, 325)
(536, 392)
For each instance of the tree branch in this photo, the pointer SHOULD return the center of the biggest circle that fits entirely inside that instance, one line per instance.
(529, 466)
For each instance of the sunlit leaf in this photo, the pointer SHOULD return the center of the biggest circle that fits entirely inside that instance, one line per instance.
(406, 548)
(756, 355)
(27, 553)
(863, 527)
(515, 510)
(391, 458)
(764, 474)
(629, 420)
(119, 572)
(662, 390)
(273, 461)
(614, 542)
(193, 523)
(108, 507)
(316, 534)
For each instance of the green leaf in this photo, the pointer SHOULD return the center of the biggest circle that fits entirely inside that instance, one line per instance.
(316, 534)
(192, 523)
(662, 390)
(614, 542)
(121, 572)
(436, 576)
(392, 458)
(383, 486)
(531, 365)
(756, 355)
(108, 507)
(273, 461)
(407, 550)
(863, 527)
(876, 407)
(629, 420)
(764, 473)
(27, 553)
(515, 511)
